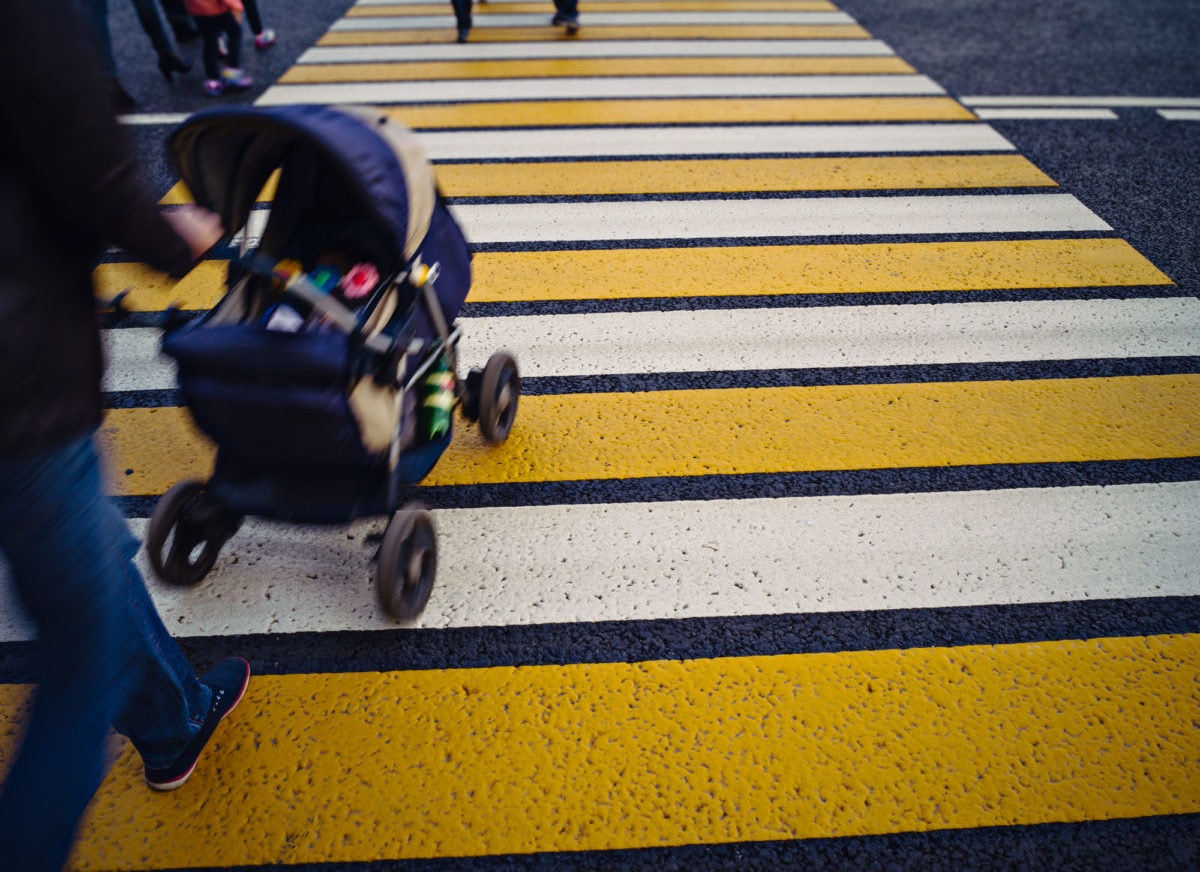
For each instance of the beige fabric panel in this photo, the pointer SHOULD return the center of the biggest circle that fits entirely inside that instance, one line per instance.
(418, 173)
(376, 409)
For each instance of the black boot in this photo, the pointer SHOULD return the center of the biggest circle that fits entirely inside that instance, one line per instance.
(170, 64)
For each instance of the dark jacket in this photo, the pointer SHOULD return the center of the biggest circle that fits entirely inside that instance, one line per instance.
(69, 187)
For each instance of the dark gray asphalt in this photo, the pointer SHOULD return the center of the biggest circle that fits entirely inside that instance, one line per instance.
(297, 23)
(1140, 173)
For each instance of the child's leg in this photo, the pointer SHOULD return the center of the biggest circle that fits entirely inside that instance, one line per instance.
(233, 35)
(253, 17)
(210, 28)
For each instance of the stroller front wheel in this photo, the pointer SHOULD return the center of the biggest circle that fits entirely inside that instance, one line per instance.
(186, 532)
(407, 563)
(499, 391)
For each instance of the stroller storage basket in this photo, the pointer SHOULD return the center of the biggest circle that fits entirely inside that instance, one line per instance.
(271, 398)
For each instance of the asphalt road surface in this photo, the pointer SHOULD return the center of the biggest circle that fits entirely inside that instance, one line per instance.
(850, 516)
(1138, 171)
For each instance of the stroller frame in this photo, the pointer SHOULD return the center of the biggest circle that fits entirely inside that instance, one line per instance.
(193, 520)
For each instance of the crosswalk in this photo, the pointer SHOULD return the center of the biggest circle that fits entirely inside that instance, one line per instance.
(853, 494)
(999, 108)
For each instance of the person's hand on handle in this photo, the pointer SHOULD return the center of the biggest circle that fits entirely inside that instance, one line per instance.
(199, 227)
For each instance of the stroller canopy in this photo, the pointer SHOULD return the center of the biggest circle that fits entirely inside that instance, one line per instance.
(346, 173)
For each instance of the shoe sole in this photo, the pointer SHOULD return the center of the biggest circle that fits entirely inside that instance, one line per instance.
(174, 783)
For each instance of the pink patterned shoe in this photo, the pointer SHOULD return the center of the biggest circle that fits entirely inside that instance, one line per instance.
(234, 79)
(214, 87)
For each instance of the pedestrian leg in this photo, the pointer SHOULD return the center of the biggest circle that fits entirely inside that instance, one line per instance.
(70, 578)
(462, 17)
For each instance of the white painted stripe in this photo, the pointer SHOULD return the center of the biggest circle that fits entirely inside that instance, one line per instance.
(775, 217)
(1082, 101)
(583, 563)
(761, 218)
(761, 48)
(599, 19)
(630, 87)
(150, 118)
(741, 140)
(133, 361)
(1047, 114)
(1180, 114)
(773, 339)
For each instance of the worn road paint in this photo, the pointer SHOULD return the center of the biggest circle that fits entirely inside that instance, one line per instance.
(470, 762)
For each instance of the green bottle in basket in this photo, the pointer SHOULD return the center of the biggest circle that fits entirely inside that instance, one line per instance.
(437, 401)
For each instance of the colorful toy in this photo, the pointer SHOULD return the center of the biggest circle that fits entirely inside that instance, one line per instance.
(359, 281)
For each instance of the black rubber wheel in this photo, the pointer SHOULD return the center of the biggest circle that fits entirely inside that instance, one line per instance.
(407, 563)
(470, 394)
(499, 391)
(186, 533)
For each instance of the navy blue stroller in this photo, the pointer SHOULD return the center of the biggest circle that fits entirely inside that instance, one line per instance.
(327, 372)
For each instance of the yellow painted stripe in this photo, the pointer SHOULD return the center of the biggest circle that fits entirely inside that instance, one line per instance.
(759, 430)
(567, 113)
(732, 175)
(411, 71)
(472, 762)
(532, 276)
(599, 32)
(809, 269)
(844, 427)
(364, 11)
(564, 113)
(179, 192)
(727, 175)
(151, 291)
(148, 450)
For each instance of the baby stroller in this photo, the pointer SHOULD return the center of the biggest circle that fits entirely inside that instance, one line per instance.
(327, 373)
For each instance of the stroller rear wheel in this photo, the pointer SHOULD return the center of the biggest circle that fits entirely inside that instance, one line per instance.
(499, 391)
(186, 533)
(407, 563)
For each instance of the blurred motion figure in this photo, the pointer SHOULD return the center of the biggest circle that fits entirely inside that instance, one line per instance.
(69, 187)
(220, 26)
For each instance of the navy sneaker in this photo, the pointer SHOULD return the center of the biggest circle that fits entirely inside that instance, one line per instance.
(228, 681)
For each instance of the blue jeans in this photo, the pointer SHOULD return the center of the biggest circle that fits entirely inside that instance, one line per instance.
(462, 12)
(104, 655)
